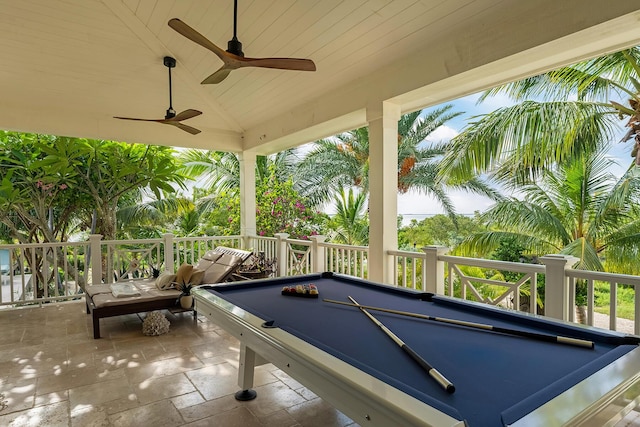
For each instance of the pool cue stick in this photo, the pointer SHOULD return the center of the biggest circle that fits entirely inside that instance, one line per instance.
(534, 335)
(433, 372)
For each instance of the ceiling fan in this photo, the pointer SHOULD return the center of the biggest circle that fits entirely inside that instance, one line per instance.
(171, 118)
(233, 57)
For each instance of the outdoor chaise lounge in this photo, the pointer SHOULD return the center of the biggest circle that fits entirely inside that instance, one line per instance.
(218, 265)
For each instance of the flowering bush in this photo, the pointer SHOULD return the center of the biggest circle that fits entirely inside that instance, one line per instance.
(279, 209)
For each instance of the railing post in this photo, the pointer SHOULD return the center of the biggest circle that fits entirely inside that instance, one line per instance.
(281, 254)
(318, 257)
(556, 285)
(169, 261)
(96, 258)
(433, 269)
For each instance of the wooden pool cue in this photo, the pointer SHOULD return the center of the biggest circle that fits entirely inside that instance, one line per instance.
(433, 372)
(527, 334)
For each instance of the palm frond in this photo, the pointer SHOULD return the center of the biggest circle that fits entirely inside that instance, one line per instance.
(528, 137)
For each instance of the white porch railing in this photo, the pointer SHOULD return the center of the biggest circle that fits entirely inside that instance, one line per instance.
(614, 281)
(42, 273)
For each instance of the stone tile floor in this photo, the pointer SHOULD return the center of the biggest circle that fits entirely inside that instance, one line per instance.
(53, 373)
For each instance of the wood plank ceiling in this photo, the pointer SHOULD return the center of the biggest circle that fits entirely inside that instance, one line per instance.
(69, 66)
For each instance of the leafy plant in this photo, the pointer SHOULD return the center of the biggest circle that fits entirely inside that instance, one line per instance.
(184, 288)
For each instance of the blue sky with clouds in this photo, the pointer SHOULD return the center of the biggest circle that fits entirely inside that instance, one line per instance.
(414, 205)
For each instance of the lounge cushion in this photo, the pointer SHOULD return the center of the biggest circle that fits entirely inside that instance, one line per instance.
(97, 289)
(196, 276)
(215, 271)
(212, 255)
(209, 270)
(148, 292)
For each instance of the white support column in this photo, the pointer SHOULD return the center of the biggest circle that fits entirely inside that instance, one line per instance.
(248, 193)
(433, 269)
(383, 189)
(556, 285)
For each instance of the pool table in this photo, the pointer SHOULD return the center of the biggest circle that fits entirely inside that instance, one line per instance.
(500, 379)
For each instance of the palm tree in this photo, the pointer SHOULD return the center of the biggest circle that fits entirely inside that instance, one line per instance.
(343, 161)
(576, 113)
(350, 224)
(578, 209)
(220, 170)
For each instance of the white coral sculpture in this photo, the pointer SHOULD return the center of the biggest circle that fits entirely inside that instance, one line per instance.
(155, 324)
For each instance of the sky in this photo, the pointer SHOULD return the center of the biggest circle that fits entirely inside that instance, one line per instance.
(414, 205)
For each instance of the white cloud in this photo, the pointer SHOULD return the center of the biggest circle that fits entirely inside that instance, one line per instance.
(443, 134)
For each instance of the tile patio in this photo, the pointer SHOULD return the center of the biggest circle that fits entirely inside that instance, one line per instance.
(53, 373)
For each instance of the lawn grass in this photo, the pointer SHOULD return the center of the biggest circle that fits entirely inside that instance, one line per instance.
(625, 307)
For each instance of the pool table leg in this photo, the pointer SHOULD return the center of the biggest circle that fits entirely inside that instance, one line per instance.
(248, 361)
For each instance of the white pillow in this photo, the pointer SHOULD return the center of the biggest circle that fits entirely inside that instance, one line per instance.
(165, 281)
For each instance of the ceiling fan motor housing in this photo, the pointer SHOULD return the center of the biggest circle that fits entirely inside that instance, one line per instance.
(235, 46)
(169, 62)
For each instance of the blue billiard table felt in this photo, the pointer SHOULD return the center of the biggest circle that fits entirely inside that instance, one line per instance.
(498, 378)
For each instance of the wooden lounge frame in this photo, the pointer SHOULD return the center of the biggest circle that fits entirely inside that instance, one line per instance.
(101, 303)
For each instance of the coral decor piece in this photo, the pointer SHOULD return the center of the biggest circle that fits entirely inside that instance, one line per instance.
(155, 324)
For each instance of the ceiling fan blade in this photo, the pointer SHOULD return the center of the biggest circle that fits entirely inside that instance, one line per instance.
(186, 128)
(186, 114)
(139, 120)
(196, 37)
(218, 76)
(279, 63)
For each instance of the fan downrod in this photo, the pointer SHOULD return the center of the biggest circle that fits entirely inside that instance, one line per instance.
(234, 46)
(170, 63)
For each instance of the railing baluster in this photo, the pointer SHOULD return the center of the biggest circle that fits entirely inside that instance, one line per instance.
(533, 300)
(613, 309)
(572, 299)
(590, 301)
(395, 268)
(404, 272)
(636, 317)
(414, 267)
